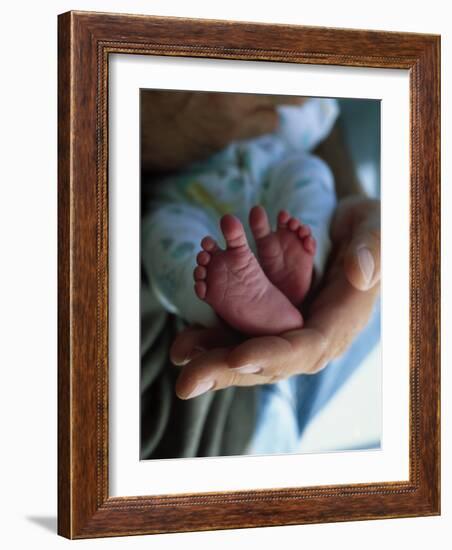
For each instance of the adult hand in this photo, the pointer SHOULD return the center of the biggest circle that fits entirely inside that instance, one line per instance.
(219, 358)
(355, 232)
(182, 127)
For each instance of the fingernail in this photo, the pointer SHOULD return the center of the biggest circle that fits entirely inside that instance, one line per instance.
(197, 350)
(248, 369)
(201, 388)
(366, 263)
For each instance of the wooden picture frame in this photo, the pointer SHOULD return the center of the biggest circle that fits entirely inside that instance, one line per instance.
(85, 42)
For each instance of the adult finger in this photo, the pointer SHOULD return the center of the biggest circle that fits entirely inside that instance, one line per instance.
(296, 352)
(261, 360)
(210, 371)
(356, 227)
(362, 258)
(266, 355)
(193, 341)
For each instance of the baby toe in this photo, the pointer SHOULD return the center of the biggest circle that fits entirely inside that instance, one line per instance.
(309, 244)
(203, 258)
(200, 273)
(259, 224)
(283, 218)
(304, 231)
(294, 224)
(233, 231)
(209, 244)
(201, 289)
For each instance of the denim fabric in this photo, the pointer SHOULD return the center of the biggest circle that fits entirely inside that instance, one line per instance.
(286, 408)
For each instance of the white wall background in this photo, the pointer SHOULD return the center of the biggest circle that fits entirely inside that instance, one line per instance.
(28, 270)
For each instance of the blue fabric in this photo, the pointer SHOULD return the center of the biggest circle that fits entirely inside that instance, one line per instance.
(286, 408)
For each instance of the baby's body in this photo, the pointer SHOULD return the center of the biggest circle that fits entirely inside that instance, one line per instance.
(259, 280)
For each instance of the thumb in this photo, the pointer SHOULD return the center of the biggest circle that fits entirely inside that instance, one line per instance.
(362, 259)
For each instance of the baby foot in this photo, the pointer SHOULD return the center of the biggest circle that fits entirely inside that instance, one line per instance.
(287, 254)
(232, 282)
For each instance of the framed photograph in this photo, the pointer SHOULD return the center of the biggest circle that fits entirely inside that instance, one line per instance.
(248, 275)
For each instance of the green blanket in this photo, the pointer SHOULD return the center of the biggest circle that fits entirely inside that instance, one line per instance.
(217, 423)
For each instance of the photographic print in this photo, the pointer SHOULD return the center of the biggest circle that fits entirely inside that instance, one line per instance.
(233, 198)
(260, 230)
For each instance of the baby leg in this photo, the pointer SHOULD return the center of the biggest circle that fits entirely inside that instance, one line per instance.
(299, 194)
(170, 237)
